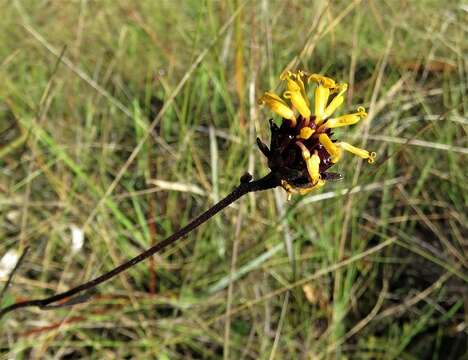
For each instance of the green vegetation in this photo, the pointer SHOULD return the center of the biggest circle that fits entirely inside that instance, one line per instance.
(375, 273)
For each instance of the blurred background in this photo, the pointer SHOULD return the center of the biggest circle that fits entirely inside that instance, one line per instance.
(121, 120)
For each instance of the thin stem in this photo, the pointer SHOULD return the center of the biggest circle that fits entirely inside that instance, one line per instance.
(246, 186)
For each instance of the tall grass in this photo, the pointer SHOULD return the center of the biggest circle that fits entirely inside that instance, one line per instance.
(129, 118)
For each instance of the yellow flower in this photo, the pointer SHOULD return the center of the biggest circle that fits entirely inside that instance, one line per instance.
(313, 138)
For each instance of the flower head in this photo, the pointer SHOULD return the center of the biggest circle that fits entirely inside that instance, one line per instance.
(302, 149)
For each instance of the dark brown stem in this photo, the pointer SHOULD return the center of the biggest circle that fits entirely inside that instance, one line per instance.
(246, 186)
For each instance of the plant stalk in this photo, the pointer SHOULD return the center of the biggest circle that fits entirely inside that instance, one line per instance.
(245, 186)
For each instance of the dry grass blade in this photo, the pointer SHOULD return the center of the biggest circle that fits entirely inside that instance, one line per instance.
(421, 143)
(90, 146)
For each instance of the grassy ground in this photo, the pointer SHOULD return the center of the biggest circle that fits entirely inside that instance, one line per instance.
(378, 273)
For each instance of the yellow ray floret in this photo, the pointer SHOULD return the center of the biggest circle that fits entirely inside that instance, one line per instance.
(298, 79)
(296, 93)
(279, 106)
(337, 100)
(322, 80)
(370, 156)
(299, 76)
(299, 190)
(345, 120)
(325, 87)
(305, 133)
(312, 162)
(322, 94)
(313, 167)
(321, 99)
(332, 149)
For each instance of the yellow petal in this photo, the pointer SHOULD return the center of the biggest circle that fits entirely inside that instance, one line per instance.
(302, 191)
(334, 104)
(305, 133)
(322, 80)
(337, 101)
(292, 85)
(299, 76)
(297, 100)
(340, 121)
(339, 88)
(312, 163)
(321, 98)
(370, 156)
(332, 149)
(345, 120)
(278, 105)
(305, 152)
(296, 92)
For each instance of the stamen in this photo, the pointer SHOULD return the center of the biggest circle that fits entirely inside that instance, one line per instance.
(370, 156)
(279, 106)
(332, 149)
(305, 133)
